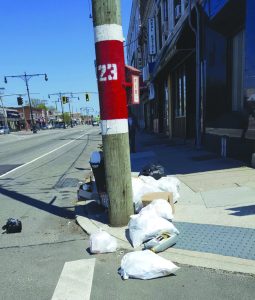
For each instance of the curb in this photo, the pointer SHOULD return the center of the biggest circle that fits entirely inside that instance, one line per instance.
(183, 257)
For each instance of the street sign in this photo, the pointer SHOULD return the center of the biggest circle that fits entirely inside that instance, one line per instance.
(135, 90)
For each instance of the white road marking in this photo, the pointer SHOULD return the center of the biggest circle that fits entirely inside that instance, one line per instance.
(75, 281)
(32, 161)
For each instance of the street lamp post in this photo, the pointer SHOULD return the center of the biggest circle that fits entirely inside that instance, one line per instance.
(3, 109)
(26, 78)
(71, 114)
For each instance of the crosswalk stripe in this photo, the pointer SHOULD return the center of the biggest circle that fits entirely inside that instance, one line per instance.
(75, 281)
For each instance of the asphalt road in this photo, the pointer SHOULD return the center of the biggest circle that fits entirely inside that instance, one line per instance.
(41, 192)
(38, 181)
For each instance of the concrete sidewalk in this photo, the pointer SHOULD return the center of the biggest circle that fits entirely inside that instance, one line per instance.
(215, 213)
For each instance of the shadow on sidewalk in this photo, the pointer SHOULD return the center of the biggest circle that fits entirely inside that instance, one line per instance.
(242, 210)
(94, 211)
(177, 157)
(48, 207)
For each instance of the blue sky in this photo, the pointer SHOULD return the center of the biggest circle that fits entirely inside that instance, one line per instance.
(53, 37)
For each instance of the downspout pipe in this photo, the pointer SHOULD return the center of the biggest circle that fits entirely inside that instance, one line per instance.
(198, 73)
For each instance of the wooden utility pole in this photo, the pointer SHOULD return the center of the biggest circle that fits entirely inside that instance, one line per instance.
(113, 108)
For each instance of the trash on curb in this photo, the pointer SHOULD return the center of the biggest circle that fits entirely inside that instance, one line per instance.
(164, 184)
(102, 242)
(144, 185)
(161, 242)
(12, 226)
(143, 227)
(85, 188)
(154, 170)
(161, 207)
(97, 165)
(140, 188)
(145, 265)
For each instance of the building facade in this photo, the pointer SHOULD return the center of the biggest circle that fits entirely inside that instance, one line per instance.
(10, 117)
(197, 66)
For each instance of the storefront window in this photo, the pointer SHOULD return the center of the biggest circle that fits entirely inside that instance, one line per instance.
(180, 95)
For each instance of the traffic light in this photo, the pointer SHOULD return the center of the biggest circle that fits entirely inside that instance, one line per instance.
(87, 97)
(65, 99)
(20, 100)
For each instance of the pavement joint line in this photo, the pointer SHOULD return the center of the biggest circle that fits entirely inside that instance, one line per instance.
(35, 159)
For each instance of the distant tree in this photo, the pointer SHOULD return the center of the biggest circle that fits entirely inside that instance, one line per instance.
(38, 103)
(67, 118)
(41, 106)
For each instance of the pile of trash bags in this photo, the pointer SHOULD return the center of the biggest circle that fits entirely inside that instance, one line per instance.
(147, 184)
(138, 264)
(151, 227)
(151, 221)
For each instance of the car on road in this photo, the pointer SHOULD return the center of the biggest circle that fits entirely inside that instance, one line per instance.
(95, 123)
(4, 130)
(50, 126)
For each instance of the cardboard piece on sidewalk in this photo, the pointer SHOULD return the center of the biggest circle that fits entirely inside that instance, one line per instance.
(148, 198)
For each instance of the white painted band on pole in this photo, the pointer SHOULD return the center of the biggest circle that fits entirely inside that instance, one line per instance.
(108, 32)
(114, 126)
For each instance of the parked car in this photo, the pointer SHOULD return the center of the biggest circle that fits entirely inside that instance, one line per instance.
(4, 130)
(95, 123)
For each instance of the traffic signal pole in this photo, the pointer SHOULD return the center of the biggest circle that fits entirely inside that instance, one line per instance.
(26, 78)
(71, 121)
(30, 105)
(113, 108)
(62, 109)
(61, 102)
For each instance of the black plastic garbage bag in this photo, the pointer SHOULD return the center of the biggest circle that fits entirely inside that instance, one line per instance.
(155, 170)
(12, 226)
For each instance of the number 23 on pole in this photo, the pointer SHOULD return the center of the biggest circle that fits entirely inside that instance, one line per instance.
(107, 72)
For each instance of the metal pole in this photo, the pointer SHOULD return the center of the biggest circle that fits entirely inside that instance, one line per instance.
(4, 112)
(25, 120)
(62, 107)
(71, 123)
(198, 82)
(198, 73)
(110, 66)
(30, 105)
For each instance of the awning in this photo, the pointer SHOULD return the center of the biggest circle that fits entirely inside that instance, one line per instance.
(171, 51)
(132, 69)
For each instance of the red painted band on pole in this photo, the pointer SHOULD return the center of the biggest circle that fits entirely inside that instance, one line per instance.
(111, 76)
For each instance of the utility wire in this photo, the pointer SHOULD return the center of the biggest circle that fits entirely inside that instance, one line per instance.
(90, 11)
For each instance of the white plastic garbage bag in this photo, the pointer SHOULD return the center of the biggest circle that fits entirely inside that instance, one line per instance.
(141, 188)
(102, 242)
(145, 265)
(160, 207)
(143, 227)
(149, 180)
(165, 184)
(170, 184)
